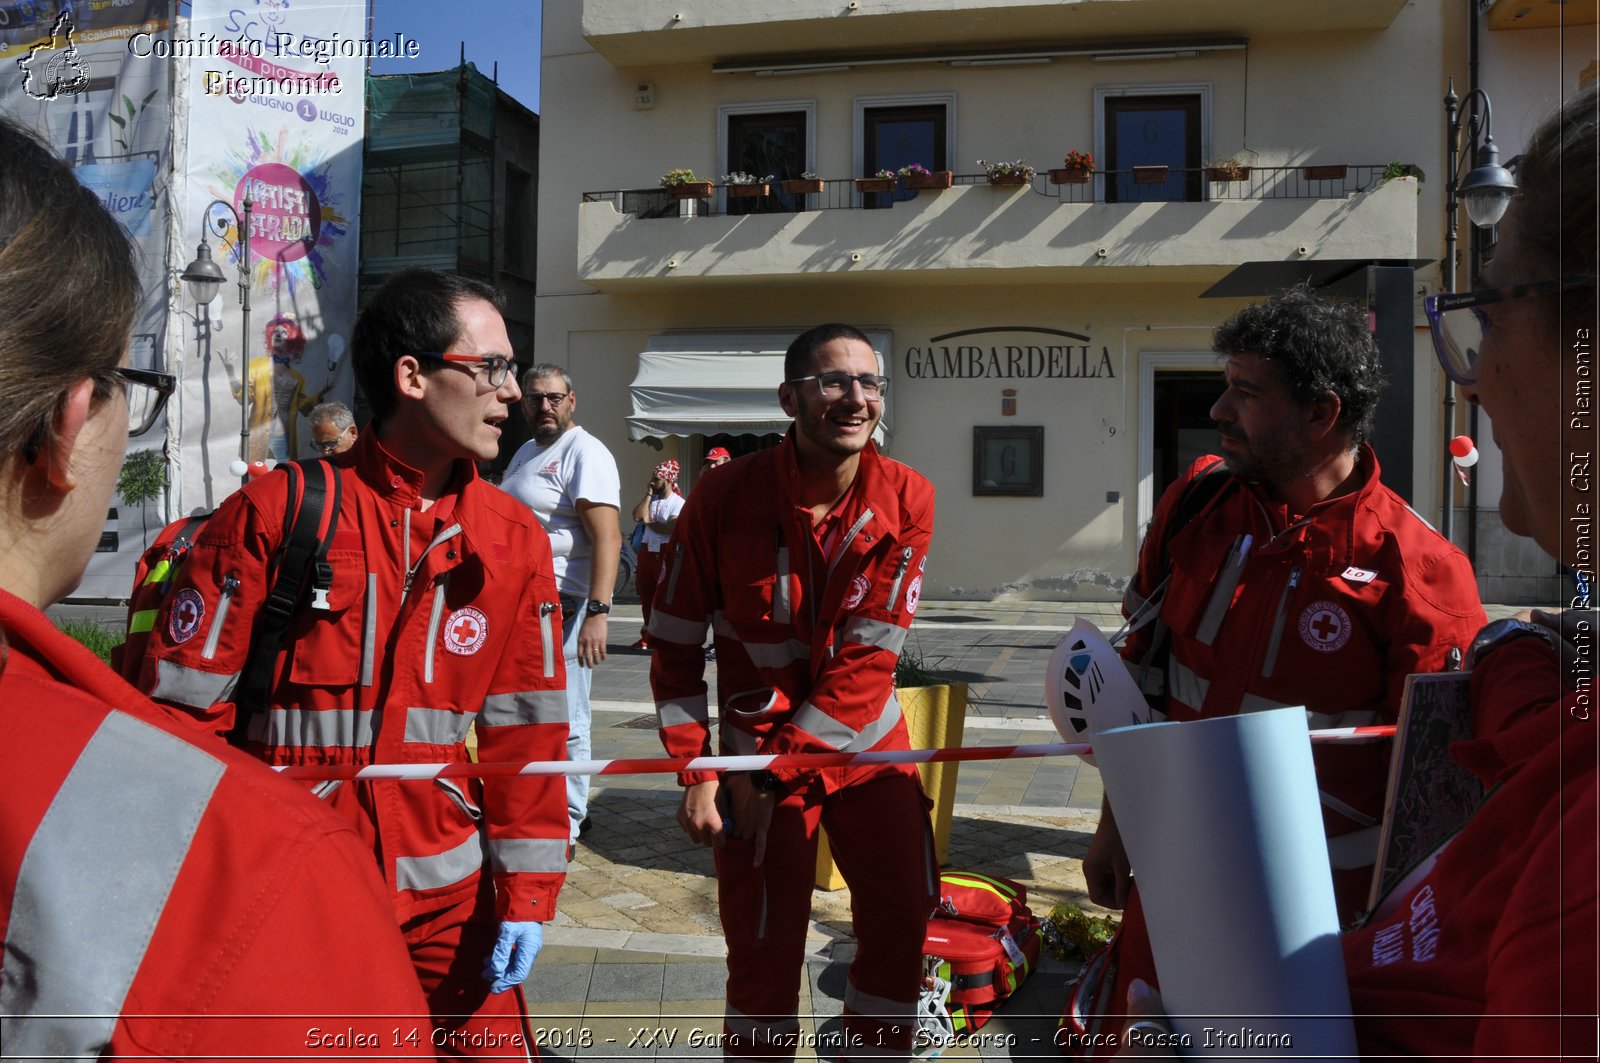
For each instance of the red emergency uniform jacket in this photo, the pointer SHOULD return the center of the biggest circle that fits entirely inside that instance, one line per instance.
(162, 899)
(806, 639)
(1331, 609)
(437, 619)
(1491, 952)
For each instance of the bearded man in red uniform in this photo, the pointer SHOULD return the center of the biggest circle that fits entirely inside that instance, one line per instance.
(807, 560)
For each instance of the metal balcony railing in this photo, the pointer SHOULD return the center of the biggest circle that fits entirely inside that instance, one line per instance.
(1138, 185)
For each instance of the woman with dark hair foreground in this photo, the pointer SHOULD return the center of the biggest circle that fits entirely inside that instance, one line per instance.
(155, 898)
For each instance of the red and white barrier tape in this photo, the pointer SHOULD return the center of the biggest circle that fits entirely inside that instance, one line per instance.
(672, 765)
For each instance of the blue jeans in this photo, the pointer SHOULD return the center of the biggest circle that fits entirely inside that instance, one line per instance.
(579, 719)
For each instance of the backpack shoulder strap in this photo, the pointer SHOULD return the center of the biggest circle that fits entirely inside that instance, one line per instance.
(309, 523)
(1210, 483)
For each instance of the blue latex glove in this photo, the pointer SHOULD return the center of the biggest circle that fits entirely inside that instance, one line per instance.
(511, 960)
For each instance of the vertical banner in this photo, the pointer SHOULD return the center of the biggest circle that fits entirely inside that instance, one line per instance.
(86, 78)
(276, 96)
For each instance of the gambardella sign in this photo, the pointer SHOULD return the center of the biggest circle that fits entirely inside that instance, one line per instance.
(1009, 352)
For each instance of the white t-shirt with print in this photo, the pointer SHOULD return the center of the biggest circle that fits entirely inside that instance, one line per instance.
(550, 480)
(661, 511)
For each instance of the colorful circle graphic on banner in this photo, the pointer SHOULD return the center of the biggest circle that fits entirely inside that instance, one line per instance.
(285, 215)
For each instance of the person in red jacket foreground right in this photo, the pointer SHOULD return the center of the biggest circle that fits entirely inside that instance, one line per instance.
(1489, 951)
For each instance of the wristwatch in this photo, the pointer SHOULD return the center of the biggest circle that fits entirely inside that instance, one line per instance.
(596, 608)
(1497, 634)
(762, 779)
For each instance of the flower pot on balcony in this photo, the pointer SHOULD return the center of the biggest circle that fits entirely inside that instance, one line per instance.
(1150, 175)
(1074, 176)
(1227, 174)
(938, 179)
(1007, 180)
(1324, 173)
(692, 190)
(802, 186)
(876, 184)
(748, 191)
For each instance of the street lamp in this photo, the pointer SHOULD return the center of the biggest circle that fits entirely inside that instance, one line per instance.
(1486, 192)
(204, 278)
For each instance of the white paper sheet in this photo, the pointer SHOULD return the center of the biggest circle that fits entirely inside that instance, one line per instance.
(1223, 827)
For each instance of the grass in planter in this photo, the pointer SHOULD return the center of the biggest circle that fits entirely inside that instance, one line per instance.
(914, 670)
(100, 641)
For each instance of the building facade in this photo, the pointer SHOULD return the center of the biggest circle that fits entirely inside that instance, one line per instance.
(1048, 343)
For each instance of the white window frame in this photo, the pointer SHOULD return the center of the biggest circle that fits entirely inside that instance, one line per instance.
(858, 124)
(1170, 88)
(1151, 363)
(728, 110)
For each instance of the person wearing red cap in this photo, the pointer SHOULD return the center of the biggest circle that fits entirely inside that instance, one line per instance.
(716, 456)
(659, 510)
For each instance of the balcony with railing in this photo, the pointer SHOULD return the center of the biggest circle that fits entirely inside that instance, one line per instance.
(630, 33)
(1176, 223)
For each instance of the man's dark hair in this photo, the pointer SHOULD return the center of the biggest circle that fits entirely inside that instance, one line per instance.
(414, 312)
(1319, 345)
(68, 289)
(801, 356)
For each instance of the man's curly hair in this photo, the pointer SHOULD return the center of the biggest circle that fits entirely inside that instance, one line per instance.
(1319, 345)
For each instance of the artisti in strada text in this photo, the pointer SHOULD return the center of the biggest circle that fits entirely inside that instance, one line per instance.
(994, 354)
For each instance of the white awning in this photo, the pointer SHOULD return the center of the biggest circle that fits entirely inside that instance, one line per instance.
(711, 383)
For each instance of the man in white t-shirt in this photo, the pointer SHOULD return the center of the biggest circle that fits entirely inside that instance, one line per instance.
(569, 479)
(658, 510)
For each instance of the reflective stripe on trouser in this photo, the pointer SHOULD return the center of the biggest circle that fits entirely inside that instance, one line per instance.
(879, 834)
(126, 814)
(578, 725)
(447, 949)
(645, 578)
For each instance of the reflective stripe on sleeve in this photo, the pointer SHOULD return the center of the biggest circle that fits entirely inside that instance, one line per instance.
(318, 729)
(369, 631)
(444, 869)
(878, 633)
(1184, 686)
(526, 706)
(182, 685)
(438, 727)
(126, 814)
(528, 855)
(683, 710)
(664, 625)
(776, 654)
(825, 728)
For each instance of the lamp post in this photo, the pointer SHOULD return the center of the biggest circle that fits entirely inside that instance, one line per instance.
(204, 277)
(1486, 193)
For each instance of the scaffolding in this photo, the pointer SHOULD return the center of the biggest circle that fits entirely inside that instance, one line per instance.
(428, 191)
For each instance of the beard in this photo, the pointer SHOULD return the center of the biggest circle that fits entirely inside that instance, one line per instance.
(1272, 460)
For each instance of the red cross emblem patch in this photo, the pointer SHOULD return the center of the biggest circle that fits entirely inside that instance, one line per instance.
(858, 591)
(1324, 626)
(465, 631)
(188, 609)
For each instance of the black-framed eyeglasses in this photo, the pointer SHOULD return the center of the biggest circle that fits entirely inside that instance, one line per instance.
(836, 383)
(1457, 322)
(536, 399)
(147, 392)
(495, 366)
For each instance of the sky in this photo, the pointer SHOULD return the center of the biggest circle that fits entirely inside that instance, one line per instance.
(503, 31)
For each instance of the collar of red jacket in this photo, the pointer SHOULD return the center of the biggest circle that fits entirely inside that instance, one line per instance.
(393, 478)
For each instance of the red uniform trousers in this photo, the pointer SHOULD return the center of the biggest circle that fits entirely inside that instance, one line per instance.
(879, 834)
(645, 577)
(448, 948)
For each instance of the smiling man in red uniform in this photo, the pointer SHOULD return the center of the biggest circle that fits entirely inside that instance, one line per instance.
(807, 560)
(442, 612)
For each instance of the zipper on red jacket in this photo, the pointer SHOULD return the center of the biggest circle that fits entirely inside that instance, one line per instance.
(1276, 639)
(899, 576)
(545, 636)
(230, 586)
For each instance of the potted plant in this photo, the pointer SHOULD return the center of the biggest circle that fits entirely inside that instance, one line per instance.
(1325, 173)
(683, 184)
(1395, 170)
(743, 185)
(918, 176)
(882, 181)
(934, 706)
(1013, 173)
(1075, 170)
(806, 184)
(1227, 170)
(1150, 175)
